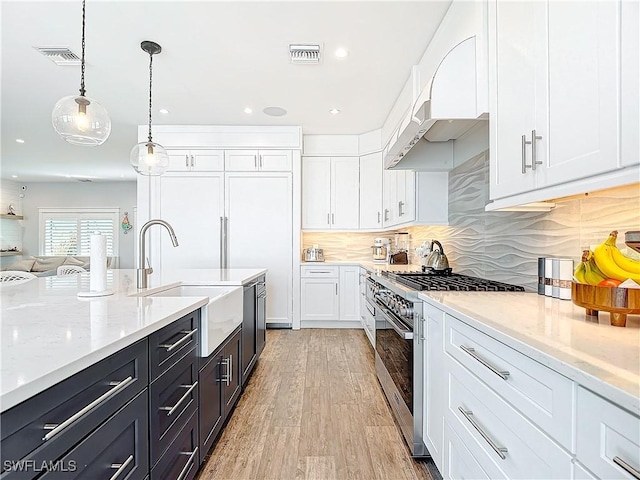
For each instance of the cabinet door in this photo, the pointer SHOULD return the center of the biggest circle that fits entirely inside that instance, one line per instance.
(259, 208)
(249, 327)
(630, 86)
(345, 179)
(275, 160)
(179, 160)
(435, 385)
(316, 192)
(193, 205)
(389, 189)
(210, 409)
(518, 47)
(350, 293)
(232, 368)
(405, 203)
(320, 299)
(583, 104)
(241, 160)
(371, 191)
(207, 160)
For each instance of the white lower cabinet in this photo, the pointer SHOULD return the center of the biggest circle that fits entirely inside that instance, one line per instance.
(608, 437)
(460, 463)
(330, 292)
(434, 384)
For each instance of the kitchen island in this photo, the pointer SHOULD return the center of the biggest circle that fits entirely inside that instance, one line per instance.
(49, 333)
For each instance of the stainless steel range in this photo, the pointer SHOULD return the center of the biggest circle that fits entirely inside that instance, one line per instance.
(400, 342)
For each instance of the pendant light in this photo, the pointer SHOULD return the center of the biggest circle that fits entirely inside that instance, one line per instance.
(81, 120)
(149, 158)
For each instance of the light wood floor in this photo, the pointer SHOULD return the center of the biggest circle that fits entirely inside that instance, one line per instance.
(313, 409)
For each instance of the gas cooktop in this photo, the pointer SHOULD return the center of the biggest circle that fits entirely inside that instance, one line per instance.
(451, 282)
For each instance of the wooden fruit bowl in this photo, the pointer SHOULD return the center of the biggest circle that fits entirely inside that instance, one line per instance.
(619, 302)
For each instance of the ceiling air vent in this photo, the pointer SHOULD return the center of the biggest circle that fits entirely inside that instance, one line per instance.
(307, 53)
(59, 55)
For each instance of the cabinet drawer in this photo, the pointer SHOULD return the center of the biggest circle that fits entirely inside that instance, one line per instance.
(168, 345)
(542, 395)
(181, 459)
(459, 463)
(502, 440)
(173, 399)
(320, 271)
(76, 405)
(607, 437)
(119, 449)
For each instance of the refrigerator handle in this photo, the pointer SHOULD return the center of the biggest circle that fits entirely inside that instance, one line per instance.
(221, 242)
(225, 240)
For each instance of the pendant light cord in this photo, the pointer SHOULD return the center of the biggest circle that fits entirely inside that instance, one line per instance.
(82, 90)
(150, 84)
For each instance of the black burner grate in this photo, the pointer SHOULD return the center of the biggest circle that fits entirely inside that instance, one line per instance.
(453, 282)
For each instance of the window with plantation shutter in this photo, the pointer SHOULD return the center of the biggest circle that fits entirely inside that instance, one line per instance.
(68, 231)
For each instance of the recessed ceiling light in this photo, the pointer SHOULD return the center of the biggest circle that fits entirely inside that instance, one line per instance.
(342, 52)
(163, 110)
(14, 176)
(19, 140)
(275, 111)
(334, 111)
(248, 110)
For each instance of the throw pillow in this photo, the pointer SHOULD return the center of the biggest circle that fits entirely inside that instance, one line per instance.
(23, 265)
(44, 264)
(74, 261)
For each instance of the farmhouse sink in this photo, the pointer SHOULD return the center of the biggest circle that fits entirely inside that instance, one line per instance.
(220, 317)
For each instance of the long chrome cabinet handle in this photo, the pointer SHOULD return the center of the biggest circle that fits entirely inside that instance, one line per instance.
(328, 219)
(378, 217)
(468, 414)
(226, 378)
(221, 245)
(525, 142)
(171, 410)
(121, 467)
(230, 368)
(193, 164)
(400, 211)
(626, 467)
(503, 374)
(186, 161)
(185, 471)
(333, 218)
(57, 428)
(260, 162)
(534, 154)
(386, 214)
(179, 342)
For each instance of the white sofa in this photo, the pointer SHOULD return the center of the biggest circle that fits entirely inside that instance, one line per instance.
(44, 265)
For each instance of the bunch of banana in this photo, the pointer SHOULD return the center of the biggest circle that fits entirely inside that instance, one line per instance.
(588, 271)
(613, 263)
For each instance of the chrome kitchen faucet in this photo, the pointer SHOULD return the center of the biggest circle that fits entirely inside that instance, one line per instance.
(143, 273)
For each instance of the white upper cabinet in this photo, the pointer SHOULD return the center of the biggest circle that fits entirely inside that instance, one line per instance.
(371, 191)
(330, 193)
(630, 86)
(257, 160)
(554, 93)
(399, 197)
(195, 160)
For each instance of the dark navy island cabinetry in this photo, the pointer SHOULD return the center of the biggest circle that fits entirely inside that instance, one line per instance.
(150, 411)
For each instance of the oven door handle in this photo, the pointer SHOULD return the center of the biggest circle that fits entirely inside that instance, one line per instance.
(404, 333)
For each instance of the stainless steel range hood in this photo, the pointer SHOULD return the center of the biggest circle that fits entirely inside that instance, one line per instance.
(450, 105)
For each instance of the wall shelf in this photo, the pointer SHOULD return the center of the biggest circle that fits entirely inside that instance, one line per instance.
(11, 217)
(10, 254)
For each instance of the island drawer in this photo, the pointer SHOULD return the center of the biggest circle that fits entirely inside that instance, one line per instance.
(499, 437)
(117, 449)
(182, 458)
(608, 437)
(541, 394)
(47, 425)
(173, 398)
(169, 344)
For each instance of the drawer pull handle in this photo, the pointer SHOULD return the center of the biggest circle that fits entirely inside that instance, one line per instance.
(56, 428)
(503, 374)
(468, 414)
(190, 388)
(179, 342)
(626, 467)
(185, 471)
(320, 271)
(121, 467)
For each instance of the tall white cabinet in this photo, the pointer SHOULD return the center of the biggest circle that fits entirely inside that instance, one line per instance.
(249, 190)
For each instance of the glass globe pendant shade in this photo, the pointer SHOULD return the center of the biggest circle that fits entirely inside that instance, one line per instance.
(80, 120)
(149, 158)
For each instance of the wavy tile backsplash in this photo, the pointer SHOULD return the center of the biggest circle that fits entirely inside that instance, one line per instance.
(502, 246)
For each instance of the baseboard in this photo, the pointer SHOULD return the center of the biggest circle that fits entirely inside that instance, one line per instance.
(330, 324)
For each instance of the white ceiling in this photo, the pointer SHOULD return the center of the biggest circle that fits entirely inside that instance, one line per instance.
(217, 59)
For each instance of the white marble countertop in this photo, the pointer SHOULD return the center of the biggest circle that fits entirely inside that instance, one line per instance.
(601, 357)
(48, 333)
